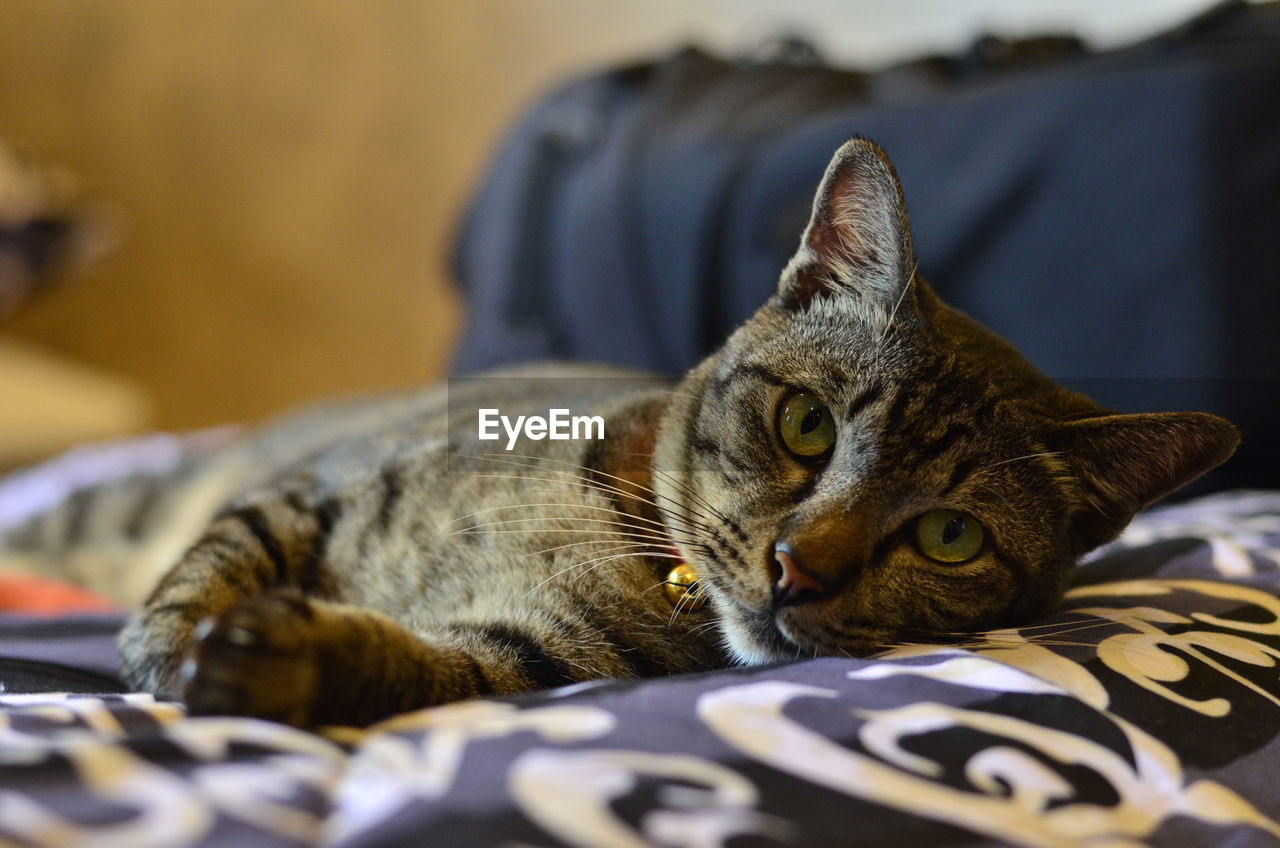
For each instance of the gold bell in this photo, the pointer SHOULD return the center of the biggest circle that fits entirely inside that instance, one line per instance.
(682, 589)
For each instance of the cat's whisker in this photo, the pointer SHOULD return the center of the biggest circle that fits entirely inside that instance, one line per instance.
(1127, 620)
(589, 482)
(1020, 635)
(690, 527)
(1015, 630)
(1064, 643)
(659, 546)
(1065, 630)
(1044, 625)
(685, 521)
(567, 479)
(640, 545)
(1003, 499)
(689, 598)
(665, 546)
(675, 609)
(506, 527)
(697, 527)
(1058, 643)
(1048, 642)
(964, 646)
(601, 534)
(1140, 650)
(698, 629)
(547, 580)
(547, 492)
(526, 506)
(981, 644)
(689, 523)
(571, 469)
(714, 513)
(654, 471)
(1023, 457)
(571, 478)
(888, 327)
(639, 549)
(681, 486)
(553, 520)
(598, 561)
(591, 542)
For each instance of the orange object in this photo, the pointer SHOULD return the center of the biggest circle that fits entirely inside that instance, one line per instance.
(28, 593)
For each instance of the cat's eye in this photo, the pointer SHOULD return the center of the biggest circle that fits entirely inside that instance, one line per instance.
(948, 535)
(805, 425)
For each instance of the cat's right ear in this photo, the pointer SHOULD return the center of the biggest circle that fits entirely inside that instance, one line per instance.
(856, 249)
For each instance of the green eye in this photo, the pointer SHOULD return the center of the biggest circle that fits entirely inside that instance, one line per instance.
(805, 425)
(946, 535)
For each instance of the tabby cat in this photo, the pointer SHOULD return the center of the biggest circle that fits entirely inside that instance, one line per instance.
(858, 466)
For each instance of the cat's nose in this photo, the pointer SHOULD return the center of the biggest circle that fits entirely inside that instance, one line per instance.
(793, 585)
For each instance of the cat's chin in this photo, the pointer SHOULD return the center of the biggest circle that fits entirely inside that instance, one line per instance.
(760, 643)
(757, 638)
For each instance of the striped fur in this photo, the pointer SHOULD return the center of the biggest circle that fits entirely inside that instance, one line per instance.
(361, 560)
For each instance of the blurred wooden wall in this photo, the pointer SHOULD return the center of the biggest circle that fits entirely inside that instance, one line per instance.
(288, 172)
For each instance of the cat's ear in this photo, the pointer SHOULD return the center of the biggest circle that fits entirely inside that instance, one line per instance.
(857, 247)
(1122, 463)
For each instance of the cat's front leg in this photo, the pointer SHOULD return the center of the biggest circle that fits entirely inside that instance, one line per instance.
(288, 658)
(247, 550)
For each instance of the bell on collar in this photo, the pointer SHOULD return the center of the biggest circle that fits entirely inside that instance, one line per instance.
(682, 589)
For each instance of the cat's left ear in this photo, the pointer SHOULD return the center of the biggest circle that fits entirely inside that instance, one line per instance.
(857, 247)
(1122, 463)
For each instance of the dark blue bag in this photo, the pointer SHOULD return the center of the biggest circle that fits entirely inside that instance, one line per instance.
(1115, 215)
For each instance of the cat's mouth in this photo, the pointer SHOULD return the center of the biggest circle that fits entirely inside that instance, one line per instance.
(854, 642)
(766, 634)
(786, 634)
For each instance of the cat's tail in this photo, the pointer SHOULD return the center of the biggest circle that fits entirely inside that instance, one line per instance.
(112, 517)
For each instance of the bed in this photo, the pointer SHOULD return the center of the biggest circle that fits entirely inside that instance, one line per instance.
(1145, 712)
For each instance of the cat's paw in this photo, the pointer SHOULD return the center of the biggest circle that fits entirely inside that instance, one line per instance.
(257, 659)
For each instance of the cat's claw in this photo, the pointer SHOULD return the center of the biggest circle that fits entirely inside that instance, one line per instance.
(257, 659)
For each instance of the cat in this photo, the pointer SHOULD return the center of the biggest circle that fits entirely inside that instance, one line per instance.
(858, 466)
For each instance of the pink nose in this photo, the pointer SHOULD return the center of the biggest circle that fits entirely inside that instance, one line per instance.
(793, 581)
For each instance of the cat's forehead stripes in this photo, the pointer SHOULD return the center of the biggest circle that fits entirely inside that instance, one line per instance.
(959, 475)
(864, 399)
(956, 431)
(747, 370)
(783, 368)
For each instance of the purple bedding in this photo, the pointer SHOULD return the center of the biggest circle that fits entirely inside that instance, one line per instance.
(1144, 713)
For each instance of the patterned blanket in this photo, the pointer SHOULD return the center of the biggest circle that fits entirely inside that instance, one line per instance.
(1144, 713)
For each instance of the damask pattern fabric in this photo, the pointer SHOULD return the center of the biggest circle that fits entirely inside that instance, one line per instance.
(1144, 713)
